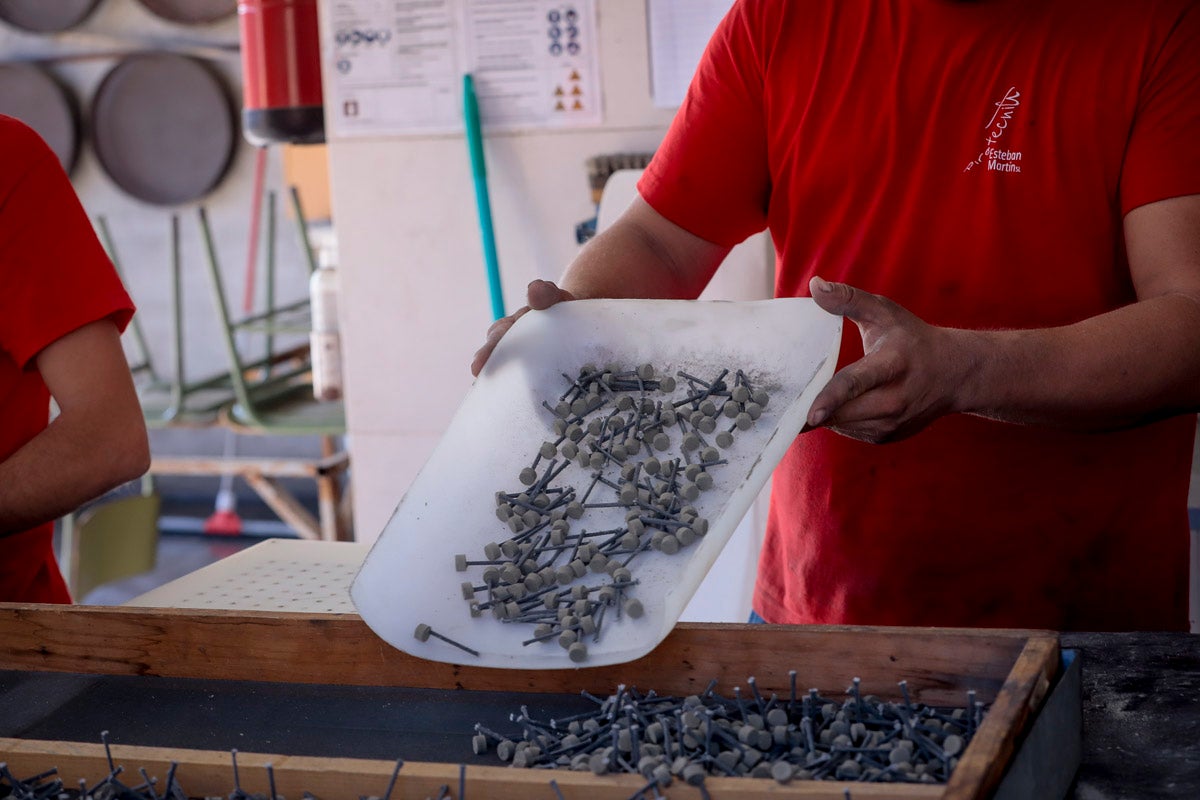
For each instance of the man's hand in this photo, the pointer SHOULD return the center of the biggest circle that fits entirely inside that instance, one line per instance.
(540, 295)
(910, 374)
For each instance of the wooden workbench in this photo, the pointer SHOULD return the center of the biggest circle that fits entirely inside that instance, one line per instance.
(1141, 715)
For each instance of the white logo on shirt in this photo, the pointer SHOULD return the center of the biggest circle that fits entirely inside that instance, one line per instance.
(995, 157)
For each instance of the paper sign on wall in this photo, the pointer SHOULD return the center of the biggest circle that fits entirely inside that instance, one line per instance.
(396, 67)
(679, 32)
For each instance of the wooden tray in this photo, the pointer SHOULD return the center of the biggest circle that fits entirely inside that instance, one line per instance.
(1011, 670)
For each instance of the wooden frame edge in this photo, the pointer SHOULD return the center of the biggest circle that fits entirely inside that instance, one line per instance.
(210, 773)
(983, 764)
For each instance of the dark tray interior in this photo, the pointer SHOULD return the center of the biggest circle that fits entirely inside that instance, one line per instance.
(286, 719)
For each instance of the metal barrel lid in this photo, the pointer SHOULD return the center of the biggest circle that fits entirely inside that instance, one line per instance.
(163, 127)
(40, 16)
(34, 96)
(191, 12)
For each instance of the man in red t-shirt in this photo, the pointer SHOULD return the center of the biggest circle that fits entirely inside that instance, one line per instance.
(62, 309)
(1005, 199)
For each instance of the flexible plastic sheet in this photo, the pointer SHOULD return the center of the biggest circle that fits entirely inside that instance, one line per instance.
(787, 347)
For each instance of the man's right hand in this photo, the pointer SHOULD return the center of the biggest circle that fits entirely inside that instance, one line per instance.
(540, 295)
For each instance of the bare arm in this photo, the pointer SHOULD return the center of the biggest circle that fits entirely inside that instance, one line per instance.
(1128, 366)
(98, 441)
(643, 254)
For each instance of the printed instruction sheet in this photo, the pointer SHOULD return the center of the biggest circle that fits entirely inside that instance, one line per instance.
(396, 66)
(679, 32)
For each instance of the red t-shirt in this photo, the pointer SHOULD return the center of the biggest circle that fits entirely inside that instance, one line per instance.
(54, 279)
(972, 161)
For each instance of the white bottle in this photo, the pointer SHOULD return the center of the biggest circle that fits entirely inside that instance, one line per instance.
(324, 340)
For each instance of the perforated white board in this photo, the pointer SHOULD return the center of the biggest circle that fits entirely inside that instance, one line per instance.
(288, 575)
(787, 346)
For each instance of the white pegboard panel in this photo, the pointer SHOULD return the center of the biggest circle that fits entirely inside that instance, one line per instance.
(275, 575)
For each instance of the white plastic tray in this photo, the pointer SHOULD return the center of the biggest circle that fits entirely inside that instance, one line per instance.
(788, 346)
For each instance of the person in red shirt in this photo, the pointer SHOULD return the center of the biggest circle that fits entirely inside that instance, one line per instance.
(1004, 198)
(62, 309)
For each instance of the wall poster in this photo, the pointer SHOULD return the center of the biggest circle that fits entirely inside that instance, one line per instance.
(396, 66)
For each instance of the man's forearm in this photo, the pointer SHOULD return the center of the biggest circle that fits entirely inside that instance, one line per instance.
(62, 468)
(643, 255)
(97, 442)
(31, 488)
(1131, 365)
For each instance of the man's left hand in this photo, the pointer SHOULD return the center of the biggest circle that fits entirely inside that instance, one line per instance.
(910, 374)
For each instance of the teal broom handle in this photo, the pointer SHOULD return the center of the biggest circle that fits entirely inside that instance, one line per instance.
(482, 201)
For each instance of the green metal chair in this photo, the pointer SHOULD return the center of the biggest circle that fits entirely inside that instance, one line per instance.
(274, 395)
(174, 401)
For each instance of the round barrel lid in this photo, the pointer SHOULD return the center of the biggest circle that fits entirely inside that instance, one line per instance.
(39, 16)
(163, 127)
(192, 12)
(34, 96)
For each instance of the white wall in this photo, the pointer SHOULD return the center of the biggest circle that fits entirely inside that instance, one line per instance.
(414, 295)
